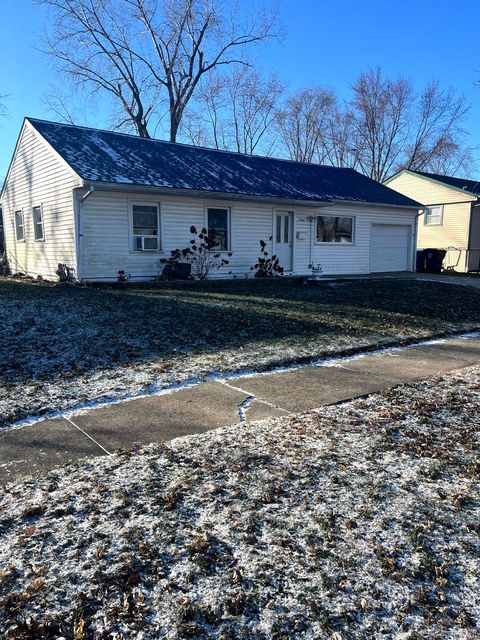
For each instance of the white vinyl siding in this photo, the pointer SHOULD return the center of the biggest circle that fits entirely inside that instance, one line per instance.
(106, 215)
(345, 258)
(37, 175)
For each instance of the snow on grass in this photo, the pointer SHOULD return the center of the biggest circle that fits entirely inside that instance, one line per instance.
(62, 348)
(354, 521)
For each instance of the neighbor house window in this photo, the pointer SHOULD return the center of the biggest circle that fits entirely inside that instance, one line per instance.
(335, 229)
(146, 227)
(218, 228)
(434, 215)
(19, 226)
(38, 231)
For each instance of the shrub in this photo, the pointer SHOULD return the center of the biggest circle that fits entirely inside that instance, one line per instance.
(65, 273)
(266, 266)
(201, 255)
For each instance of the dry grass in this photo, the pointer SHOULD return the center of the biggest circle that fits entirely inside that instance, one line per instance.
(61, 347)
(356, 521)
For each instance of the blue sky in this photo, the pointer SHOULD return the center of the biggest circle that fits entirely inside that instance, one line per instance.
(326, 42)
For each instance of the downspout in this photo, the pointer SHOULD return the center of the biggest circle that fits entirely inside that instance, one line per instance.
(469, 239)
(415, 236)
(79, 200)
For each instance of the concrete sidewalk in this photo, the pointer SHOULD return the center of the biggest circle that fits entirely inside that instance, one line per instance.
(33, 449)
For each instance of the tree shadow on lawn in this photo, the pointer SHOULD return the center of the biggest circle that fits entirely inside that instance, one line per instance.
(74, 331)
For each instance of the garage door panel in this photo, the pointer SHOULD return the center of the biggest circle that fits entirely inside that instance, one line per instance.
(389, 247)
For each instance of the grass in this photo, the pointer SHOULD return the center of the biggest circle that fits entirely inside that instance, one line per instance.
(351, 522)
(62, 345)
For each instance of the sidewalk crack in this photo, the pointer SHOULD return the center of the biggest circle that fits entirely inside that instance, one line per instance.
(244, 406)
(87, 435)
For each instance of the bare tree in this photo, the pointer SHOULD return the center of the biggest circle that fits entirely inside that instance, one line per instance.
(60, 104)
(254, 103)
(236, 112)
(303, 123)
(3, 106)
(340, 144)
(144, 53)
(384, 126)
(397, 128)
(438, 131)
(204, 124)
(381, 109)
(91, 43)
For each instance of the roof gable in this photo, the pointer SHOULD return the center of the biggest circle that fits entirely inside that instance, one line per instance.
(114, 158)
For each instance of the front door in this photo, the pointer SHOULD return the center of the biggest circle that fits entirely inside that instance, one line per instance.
(284, 238)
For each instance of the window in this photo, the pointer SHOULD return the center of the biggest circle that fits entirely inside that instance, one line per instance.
(38, 232)
(334, 229)
(19, 226)
(218, 233)
(146, 227)
(434, 215)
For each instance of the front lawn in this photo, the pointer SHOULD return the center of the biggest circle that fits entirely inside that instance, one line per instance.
(356, 521)
(62, 346)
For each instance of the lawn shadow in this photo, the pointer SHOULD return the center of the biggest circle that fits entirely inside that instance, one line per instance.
(79, 331)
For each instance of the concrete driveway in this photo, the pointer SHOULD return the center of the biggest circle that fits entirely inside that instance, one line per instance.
(34, 449)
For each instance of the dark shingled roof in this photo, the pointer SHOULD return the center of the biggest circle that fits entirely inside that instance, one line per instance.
(108, 157)
(473, 186)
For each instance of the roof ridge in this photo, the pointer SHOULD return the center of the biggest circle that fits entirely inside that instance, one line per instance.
(185, 144)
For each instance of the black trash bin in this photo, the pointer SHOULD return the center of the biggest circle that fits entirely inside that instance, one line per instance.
(433, 259)
(420, 268)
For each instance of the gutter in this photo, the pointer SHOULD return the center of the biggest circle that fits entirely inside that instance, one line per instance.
(221, 195)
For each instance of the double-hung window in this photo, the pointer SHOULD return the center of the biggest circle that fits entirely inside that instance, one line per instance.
(338, 229)
(218, 225)
(38, 230)
(146, 227)
(19, 226)
(434, 215)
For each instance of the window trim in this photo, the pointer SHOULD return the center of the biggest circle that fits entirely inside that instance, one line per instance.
(229, 224)
(17, 239)
(159, 235)
(42, 239)
(336, 244)
(425, 216)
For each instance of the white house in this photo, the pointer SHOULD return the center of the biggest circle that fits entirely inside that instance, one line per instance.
(100, 202)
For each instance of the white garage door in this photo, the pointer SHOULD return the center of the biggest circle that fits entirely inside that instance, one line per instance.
(390, 248)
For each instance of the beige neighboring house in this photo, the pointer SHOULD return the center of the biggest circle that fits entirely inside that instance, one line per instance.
(451, 218)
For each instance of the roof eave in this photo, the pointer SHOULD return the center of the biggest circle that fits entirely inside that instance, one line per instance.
(414, 206)
(223, 195)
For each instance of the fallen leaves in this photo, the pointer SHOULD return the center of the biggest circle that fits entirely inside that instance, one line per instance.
(309, 526)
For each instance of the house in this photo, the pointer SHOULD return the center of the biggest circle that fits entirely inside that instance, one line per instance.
(100, 202)
(450, 218)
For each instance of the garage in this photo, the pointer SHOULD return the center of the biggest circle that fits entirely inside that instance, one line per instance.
(390, 248)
